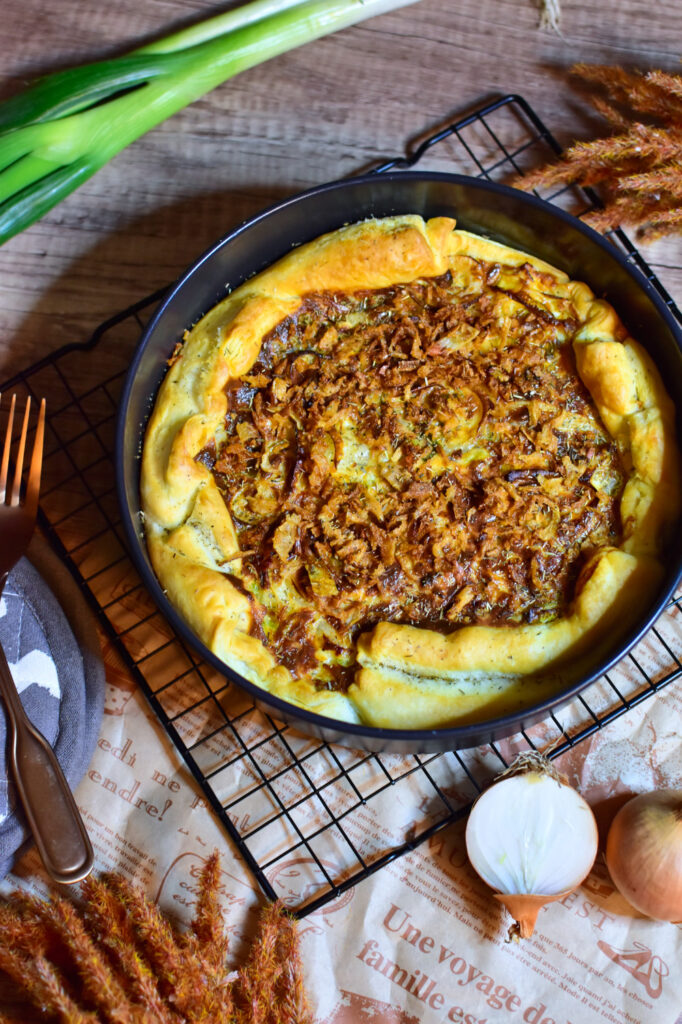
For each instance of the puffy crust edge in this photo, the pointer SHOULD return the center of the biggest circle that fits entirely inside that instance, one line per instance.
(409, 677)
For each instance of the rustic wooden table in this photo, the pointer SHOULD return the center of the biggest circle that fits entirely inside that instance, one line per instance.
(318, 113)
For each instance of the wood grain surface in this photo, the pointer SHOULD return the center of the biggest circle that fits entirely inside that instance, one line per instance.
(320, 112)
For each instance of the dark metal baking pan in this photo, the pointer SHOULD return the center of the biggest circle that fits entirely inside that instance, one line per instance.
(501, 213)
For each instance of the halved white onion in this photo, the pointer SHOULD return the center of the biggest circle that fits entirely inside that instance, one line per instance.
(531, 834)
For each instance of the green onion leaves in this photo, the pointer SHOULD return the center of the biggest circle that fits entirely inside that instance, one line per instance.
(62, 129)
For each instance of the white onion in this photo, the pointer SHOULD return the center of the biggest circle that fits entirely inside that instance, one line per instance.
(531, 834)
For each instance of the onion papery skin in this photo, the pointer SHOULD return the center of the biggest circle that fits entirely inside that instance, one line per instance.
(644, 853)
(524, 908)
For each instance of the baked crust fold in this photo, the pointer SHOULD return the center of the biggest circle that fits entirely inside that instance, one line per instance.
(407, 676)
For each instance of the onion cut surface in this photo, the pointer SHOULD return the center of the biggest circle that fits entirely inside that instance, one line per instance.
(531, 834)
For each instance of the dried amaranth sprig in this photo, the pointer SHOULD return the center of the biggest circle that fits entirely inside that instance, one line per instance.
(117, 960)
(638, 168)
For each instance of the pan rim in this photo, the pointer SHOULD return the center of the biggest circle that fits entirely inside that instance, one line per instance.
(446, 737)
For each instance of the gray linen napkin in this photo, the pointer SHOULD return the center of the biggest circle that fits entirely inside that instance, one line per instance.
(48, 634)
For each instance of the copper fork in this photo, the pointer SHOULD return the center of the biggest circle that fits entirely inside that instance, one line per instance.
(48, 802)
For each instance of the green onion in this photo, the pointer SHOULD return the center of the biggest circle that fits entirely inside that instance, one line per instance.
(60, 131)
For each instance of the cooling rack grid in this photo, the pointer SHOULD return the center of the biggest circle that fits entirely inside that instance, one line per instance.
(310, 819)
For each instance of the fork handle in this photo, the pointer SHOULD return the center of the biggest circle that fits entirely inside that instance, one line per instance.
(51, 811)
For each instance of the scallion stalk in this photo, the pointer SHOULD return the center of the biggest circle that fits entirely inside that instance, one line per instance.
(59, 132)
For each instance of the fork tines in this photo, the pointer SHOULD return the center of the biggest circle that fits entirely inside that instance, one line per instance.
(33, 483)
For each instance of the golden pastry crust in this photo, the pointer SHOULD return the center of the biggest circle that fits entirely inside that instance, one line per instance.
(407, 676)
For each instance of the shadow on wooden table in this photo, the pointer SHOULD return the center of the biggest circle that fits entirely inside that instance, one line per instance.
(131, 262)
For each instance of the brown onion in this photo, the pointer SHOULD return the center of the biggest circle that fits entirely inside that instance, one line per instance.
(644, 853)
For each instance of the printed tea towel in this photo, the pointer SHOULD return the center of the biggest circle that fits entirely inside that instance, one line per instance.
(50, 641)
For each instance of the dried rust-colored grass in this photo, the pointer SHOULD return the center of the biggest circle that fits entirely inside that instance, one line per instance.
(116, 960)
(272, 975)
(638, 168)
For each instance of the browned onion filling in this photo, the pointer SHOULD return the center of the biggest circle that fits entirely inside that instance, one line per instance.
(417, 454)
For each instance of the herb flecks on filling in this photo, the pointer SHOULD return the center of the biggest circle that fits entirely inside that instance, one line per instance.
(422, 454)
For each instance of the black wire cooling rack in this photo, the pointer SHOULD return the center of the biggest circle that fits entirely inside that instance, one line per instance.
(311, 820)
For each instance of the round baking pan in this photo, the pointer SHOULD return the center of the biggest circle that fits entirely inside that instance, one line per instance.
(504, 214)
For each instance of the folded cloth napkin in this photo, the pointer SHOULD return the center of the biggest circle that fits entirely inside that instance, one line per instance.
(49, 637)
